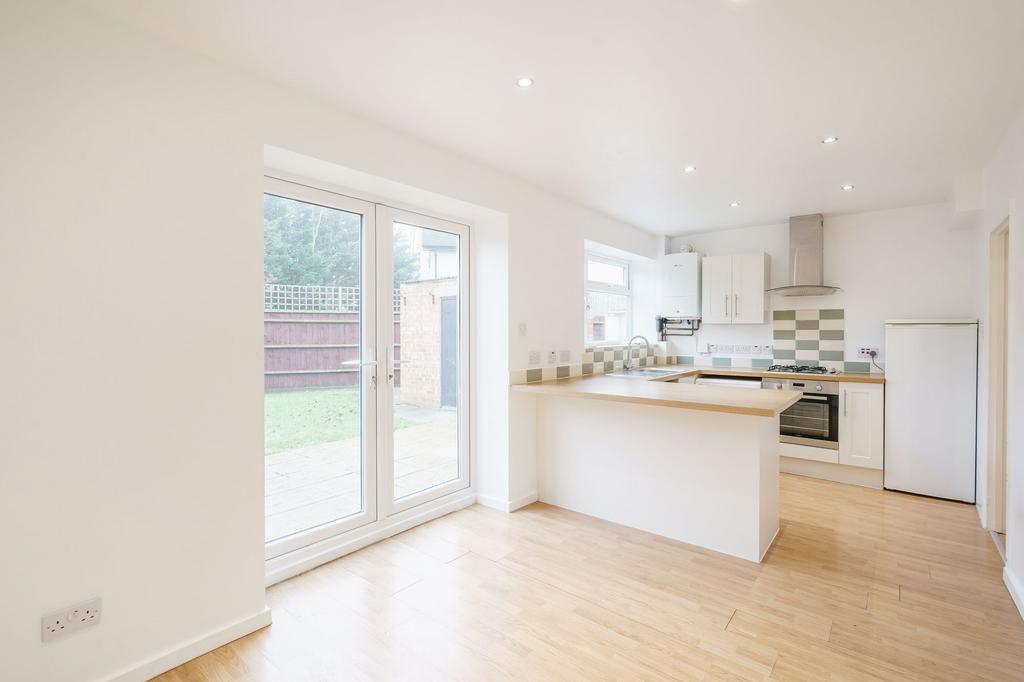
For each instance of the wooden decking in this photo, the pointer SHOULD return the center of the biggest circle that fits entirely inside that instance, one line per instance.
(861, 584)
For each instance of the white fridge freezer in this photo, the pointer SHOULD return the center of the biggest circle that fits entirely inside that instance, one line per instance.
(931, 399)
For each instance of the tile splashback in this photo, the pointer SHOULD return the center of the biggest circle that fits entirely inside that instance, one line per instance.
(599, 361)
(799, 337)
(812, 337)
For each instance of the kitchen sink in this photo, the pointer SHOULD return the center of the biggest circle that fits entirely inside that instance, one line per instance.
(642, 373)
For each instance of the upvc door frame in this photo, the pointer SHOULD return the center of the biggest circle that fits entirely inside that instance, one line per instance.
(369, 361)
(386, 216)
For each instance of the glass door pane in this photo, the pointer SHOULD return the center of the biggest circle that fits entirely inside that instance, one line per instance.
(426, 266)
(318, 368)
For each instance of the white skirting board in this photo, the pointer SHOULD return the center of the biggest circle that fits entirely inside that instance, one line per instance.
(1015, 588)
(506, 505)
(193, 648)
(840, 473)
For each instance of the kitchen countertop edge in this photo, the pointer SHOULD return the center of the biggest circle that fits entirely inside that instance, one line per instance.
(690, 370)
(656, 392)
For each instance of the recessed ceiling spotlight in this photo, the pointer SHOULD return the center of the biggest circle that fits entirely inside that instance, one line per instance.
(847, 188)
(831, 139)
(735, 204)
(524, 82)
(690, 169)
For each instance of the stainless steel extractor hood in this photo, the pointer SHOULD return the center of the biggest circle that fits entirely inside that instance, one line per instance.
(806, 249)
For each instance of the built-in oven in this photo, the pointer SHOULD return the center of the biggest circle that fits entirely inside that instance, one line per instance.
(814, 419)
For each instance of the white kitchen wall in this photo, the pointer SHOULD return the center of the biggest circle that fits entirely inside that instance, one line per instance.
(906, 262)
(1004, 198)
(132, 363)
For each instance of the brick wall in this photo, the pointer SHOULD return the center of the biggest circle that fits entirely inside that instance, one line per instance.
(421, 340)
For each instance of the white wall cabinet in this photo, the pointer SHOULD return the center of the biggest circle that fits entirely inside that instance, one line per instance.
(733, 288)
(861, 433)
(680, 285)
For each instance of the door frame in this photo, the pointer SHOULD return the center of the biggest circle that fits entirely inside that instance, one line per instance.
(385, 217)
(368, 357)
(998, 307)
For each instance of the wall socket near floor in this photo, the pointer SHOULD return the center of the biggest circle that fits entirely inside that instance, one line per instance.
(866, 353)
(533, 357)
(564, 355)
(72, 619)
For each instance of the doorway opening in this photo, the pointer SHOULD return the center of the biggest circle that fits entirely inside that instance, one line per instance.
(998, 294)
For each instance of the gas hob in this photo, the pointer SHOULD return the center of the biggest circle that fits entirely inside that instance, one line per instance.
(800, 369)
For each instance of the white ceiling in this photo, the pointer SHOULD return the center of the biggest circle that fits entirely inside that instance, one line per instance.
(628, 93)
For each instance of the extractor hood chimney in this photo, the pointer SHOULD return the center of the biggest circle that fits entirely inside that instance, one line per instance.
(806, 249)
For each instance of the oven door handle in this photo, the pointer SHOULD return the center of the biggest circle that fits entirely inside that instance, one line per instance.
(820, 398)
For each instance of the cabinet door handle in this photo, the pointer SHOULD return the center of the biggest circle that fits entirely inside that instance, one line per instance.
(736, 306)
(846, 402)
(727, 305)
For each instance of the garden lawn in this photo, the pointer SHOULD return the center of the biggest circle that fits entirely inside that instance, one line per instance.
(294, 419)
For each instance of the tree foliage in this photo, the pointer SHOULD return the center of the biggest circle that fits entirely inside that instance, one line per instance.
(309, 244)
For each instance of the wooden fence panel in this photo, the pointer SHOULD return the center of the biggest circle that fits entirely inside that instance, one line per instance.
(310, 349)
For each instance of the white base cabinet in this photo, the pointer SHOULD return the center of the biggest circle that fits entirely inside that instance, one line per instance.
(861, 422)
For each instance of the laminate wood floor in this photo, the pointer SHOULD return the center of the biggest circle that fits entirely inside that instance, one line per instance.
(860, 584)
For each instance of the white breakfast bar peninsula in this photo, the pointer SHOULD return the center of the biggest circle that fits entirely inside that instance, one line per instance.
(698, 464)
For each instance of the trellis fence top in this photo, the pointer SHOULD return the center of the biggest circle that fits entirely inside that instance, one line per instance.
(310, 298)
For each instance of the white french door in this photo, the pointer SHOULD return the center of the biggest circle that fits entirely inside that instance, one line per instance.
(365, 363)
(422, 265)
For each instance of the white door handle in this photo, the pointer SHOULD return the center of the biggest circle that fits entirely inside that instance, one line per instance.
(367, 363)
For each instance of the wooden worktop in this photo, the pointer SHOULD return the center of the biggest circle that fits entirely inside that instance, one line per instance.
(757, 403)
(694, 370)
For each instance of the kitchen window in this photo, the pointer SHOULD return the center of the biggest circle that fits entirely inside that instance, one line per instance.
(606, 301)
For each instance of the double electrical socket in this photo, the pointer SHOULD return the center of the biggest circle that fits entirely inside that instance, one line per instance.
(867, 353)
(72, 619)
(562, 356)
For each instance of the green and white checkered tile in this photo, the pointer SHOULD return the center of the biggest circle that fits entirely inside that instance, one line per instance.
(809, 337)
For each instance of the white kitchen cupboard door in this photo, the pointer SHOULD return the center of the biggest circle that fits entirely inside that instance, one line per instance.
(861, 433)
(749, 282)
(716, 289)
